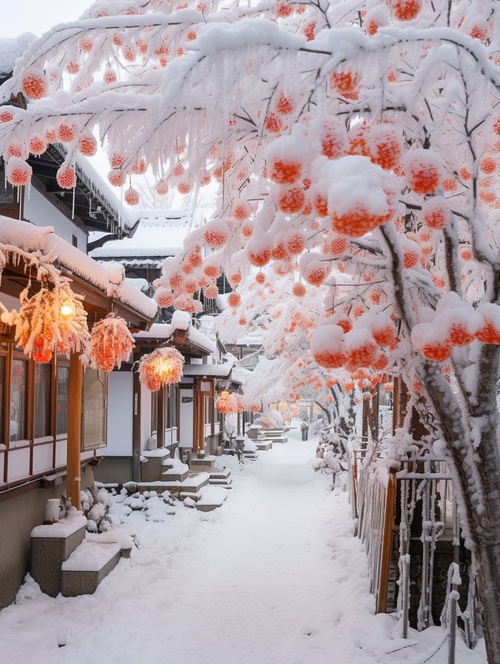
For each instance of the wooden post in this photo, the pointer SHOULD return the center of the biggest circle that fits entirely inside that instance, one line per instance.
(386, 545)
(160, 418)
(74, 444)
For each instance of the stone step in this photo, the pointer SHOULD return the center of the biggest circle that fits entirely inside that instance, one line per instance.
(51, 545)
(202, 464)
(152, 464)
(250, 455)
(173, 475)
(192, 484)
(87, 566)
(263, 445)
(220, 474)
(186, 494)
(211, 499)
(224, 483)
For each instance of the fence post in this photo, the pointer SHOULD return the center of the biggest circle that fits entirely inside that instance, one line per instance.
(386, 546)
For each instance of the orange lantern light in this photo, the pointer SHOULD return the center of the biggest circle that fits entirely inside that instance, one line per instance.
(111, 343)
(161, 367)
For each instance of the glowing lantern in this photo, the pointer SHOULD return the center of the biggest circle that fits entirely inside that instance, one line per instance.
(49, 321)
(161, 367)
(110, 343)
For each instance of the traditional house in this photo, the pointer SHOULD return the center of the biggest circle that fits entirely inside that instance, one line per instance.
(52, 414)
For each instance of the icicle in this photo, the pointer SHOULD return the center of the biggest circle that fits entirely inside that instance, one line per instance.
(73, 203)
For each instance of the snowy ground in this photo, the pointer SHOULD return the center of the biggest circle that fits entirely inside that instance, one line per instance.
(273, 577)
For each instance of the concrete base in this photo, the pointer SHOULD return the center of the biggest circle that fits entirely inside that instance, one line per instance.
(76, 576)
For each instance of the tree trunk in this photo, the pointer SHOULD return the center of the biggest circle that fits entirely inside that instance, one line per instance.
(488, 579)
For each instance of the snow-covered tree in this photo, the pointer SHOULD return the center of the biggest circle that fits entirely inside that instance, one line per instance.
(352, 137)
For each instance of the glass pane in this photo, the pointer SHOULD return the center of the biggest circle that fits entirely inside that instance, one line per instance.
(2, 392)
(62, 400)
(18, 400)
(42, 400)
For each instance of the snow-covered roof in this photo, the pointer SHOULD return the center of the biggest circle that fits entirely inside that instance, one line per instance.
(181, 320)
(210, 370)
(11, 49)
(109, 280)
(158, 235)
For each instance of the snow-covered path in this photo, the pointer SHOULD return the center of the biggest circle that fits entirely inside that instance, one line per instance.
(273, 577)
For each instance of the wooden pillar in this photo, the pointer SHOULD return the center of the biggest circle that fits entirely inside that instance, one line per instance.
(160, 418)
(386, 545)
(199, 417)
(74, 444)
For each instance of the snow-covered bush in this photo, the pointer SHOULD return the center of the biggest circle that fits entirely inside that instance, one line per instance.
(95, 506)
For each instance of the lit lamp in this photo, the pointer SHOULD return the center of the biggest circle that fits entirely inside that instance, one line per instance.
(67, 310)
(161, 367)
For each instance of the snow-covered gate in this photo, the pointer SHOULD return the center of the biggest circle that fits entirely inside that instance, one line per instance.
(408, 522)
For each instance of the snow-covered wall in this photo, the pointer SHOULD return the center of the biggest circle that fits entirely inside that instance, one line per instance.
(145, 416)
(120, 412)
(42, 212)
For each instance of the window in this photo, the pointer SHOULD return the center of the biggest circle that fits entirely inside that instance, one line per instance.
(18, 400)
(62, 400)
(171, 405)
(94, 407)
(41, 423)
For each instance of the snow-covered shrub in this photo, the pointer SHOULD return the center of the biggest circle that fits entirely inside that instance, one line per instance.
(95, 506)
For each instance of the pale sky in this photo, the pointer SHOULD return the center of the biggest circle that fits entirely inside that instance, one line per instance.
(38, 16)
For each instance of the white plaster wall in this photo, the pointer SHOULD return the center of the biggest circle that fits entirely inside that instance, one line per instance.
(41, 212)
(186, 417)
(120, 413)
(145, 416)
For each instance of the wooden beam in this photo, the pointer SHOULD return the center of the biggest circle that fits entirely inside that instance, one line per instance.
(74, 444)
